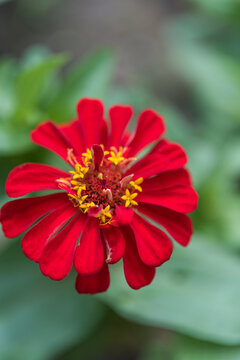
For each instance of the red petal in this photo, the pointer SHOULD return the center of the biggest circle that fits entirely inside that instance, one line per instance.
(74, 134)
(167, 179)
(183, 199)
(115, 244)
(127, 136)
(120, 116)
(124, 215)
(149, 128)
(153, 244)
(94, 211)
(137, 274)
(30, 177)
(148, 166)
(90, 114)
(97, 155)
(179, 226)
(36, 238)
(93, 284)
(104, 133)
(57, 257)
(18, 215)
(175, 153)
(51, 137)
(89, 256)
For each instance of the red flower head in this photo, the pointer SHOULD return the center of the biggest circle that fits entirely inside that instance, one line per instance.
(102, 198)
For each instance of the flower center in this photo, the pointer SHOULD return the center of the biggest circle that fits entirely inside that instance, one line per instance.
(97, 187)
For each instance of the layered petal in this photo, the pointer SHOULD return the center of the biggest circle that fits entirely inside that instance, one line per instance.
(124, 215)
(127, 136)
(175, 153)
(119, 116)
(104, 133)
(90, 113)
(137, 274)
(73, 133)
(148, 166)
(18, 215)
(153, 244)
(30, 177)
(150, 127)
(93, 284)
(52, 138)
(179, 226)
(37, 237)
(167, 179)
(183, 199)
(89, 256)
(115, 244)
(57, 257)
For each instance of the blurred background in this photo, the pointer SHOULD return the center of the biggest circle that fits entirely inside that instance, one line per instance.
(180, 57)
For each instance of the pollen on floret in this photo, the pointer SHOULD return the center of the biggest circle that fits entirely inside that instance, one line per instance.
(116, 156)
(87, 157)
(105, 216)
(136, 184)
(103, 187)
(128, 197)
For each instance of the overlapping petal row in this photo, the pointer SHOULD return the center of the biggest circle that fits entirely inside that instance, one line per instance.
(94, 218)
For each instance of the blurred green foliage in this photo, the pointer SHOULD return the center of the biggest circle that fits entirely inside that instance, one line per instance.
(188, 349)
(221, 7)
(38, 317)
(197, 292)
(25, 90)
(30, 91)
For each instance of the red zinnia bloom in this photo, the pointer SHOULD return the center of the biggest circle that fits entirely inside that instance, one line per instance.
(102, 198)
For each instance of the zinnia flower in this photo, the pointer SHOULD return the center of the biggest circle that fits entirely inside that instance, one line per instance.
(95, 217)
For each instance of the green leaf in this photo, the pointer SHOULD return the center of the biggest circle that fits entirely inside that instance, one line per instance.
(90, 78)
(214, 75)
(7, 88)
(33, 81)
(203, 160)
(40, 318)
(34, 55)
(187, 349)
(14, 141)
(224, 7)
(196, 293)
(183, 348)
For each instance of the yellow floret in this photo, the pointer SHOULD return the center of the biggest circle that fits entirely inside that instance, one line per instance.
(87, 157)
(104, 214)
(135, 184)
(116, 158)
(128, 197)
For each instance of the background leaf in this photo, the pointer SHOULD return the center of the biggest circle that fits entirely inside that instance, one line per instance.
(32, 82)
(53, 314)
(195, 293)
(89, 78)
(183, 348)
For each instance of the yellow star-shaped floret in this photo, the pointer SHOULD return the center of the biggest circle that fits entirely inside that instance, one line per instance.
(79, 173)
(135, 184)
(79, 188)
(104, 214)
(116, 158)
(128, 197)
(85, 206)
